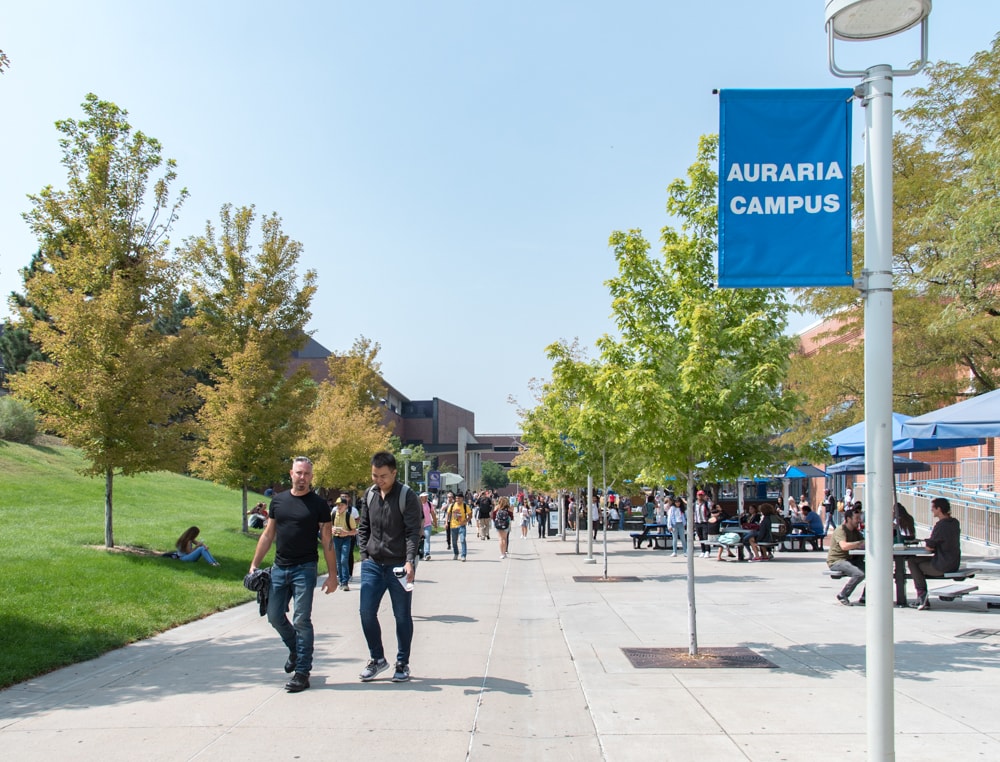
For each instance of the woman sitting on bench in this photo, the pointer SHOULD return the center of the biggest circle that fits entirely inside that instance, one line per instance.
(763, 533)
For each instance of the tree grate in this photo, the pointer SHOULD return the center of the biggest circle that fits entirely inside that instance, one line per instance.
(606, 579)
(707, 658)
(980, 634)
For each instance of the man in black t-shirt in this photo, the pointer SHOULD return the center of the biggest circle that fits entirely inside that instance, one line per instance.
(484, 509)
(296, 516)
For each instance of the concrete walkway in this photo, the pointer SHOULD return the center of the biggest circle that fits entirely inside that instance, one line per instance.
(514, 659)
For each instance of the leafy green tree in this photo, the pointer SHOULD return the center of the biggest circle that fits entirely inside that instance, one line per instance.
(699, 371)
(16, 347)
(529, 469)
(946, 249)
(111, 385)
(345, 428)
(546, 428)
(251, 311)
(493, 475)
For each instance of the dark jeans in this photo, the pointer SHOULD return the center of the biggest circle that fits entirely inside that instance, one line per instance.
(295, 584)
(376, 579)
(701, 530)
(920, 569)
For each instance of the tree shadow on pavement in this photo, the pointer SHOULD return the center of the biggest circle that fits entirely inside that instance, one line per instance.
(921, 662)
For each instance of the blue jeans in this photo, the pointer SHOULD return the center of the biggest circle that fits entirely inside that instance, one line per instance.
(458, 536)
(376, 578)
(295, 584)
(677, 536)
(427, 541)
(200, 552)
(342, 547)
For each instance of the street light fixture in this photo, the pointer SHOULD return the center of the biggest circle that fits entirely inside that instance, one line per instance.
(406, 452)
(874, 19)
(854, 20)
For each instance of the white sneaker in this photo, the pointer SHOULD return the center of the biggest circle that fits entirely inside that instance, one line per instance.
(674, 555)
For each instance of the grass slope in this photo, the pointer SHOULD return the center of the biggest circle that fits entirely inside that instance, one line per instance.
(66, 597)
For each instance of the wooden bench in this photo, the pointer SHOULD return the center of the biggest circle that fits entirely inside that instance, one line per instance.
(791, 539)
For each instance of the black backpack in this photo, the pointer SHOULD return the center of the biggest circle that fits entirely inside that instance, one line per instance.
(502, 519)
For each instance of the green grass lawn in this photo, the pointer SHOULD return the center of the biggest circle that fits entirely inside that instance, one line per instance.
(67, 598)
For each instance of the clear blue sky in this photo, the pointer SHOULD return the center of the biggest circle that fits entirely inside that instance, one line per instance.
(453, 169)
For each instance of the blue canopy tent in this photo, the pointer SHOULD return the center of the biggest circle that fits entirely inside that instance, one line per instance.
(975, 417)
(804, 471)
(851, 441)
(856, 465)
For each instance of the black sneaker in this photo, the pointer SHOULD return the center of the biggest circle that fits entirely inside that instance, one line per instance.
(373, 668)
(844, 600)
(290, 662)
(860, 602)
(402, 673)
(923, 602)
(299, 682)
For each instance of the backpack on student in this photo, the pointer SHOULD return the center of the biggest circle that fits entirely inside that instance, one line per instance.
(502, 519)
(403, 491)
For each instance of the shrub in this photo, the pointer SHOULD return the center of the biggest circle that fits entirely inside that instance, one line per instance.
(17, 421)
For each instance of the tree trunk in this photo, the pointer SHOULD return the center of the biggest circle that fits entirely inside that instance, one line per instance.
(692, 611)
(109, 533)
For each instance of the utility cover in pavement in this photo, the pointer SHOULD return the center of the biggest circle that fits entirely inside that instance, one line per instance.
(707, 658)
(606, 579)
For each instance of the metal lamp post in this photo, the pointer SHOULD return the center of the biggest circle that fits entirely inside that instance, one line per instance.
(406, 452)
(868, 20)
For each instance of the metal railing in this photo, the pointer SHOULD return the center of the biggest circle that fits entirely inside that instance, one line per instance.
(968, 486)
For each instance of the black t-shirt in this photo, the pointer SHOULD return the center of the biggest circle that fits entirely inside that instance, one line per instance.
(297, 521)
(484, 508)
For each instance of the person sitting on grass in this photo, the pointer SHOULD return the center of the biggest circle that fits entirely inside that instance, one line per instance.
(189, 549)
(258, 517)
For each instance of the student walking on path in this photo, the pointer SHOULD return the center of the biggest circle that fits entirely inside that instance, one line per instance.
(502, 518)
(388, 536)
(457, 522)
(296, 517)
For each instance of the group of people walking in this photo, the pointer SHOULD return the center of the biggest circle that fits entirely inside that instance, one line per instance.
(388, 533)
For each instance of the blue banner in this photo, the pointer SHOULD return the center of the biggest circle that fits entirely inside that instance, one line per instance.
(785, 188)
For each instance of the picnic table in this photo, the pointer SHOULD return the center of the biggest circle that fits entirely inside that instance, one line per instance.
(899, 558)
(799, 534)
(900, 554)
(657, 533)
